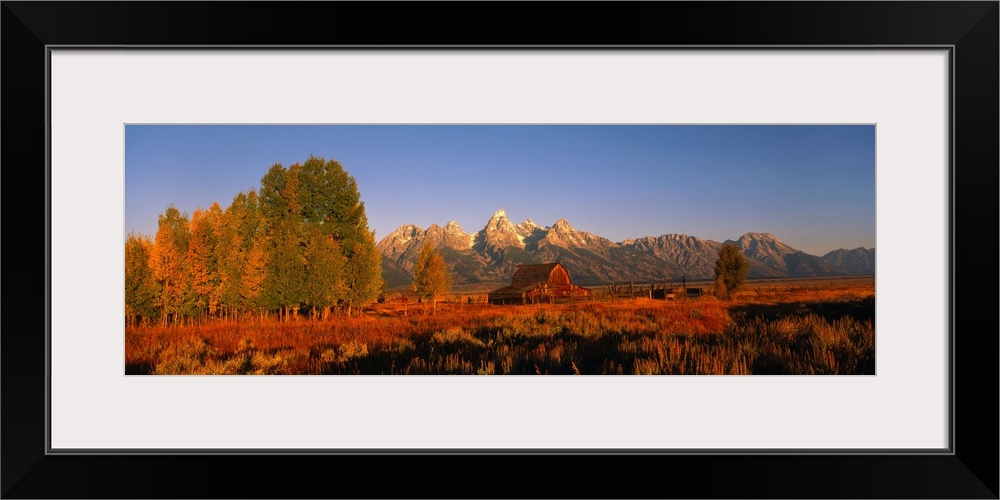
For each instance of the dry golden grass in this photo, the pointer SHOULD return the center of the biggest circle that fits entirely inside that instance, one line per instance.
(778, 330)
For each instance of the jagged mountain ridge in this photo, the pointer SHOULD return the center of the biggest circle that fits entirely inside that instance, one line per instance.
(492, 254)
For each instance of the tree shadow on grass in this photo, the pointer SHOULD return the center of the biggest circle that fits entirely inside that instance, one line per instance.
(862, 309)
(139, 368)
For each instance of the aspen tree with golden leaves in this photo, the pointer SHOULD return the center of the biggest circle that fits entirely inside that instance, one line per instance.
(431, 278)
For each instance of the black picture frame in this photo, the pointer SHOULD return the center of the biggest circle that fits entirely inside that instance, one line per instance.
(970, 29)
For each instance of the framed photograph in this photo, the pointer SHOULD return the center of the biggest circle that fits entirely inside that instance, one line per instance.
(847, 126)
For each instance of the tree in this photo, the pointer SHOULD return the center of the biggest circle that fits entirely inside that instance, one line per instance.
(431, 277)
(730, 270)
(284, 285)
(329, 196)
(141, 293)
(253, 277)
(329, 199)
(363, 273)
(284, 282)
(318, 196)
(235, 236)
(168, 261)
(324, 280)
(202, 263)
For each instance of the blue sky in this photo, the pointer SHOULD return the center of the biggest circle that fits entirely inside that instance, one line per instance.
(811, 186)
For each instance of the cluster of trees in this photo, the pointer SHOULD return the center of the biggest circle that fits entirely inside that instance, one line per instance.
(300, 243)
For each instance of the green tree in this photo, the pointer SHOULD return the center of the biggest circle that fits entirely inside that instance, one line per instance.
(141, 292)
(431, 277)
(363, 273)
(284, 281)
(235, 236)
(279, 193)
(731, 270)
(330, 200)
(324, 279)
(253, 277)
(329, 196)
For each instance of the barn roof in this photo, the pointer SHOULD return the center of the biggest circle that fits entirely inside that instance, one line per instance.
(527, 275)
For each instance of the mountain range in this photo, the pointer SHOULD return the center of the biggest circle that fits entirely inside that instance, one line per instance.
(492, 254)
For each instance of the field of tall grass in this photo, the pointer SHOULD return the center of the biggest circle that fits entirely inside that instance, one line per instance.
(792, 331)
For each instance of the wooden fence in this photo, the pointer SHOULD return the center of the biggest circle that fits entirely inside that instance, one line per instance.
(657, 290)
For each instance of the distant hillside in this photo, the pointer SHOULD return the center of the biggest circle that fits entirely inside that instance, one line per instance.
(857, 261)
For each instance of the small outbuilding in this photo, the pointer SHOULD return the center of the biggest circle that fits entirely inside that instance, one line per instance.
(536, 283)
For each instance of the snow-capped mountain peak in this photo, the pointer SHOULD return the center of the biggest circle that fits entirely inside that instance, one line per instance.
(500, 232)
(499, 222)
(526, 229)
(404, 233)
(529, 224)
(562, 225)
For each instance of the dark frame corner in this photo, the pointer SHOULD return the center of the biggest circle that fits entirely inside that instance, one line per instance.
(971, 28)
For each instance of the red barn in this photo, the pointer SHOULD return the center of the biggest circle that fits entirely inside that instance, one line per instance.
(538, 283)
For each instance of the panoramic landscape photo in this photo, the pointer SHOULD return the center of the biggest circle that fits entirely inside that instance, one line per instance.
(499, 249)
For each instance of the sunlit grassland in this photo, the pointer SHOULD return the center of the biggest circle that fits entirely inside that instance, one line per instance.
(805, 330)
